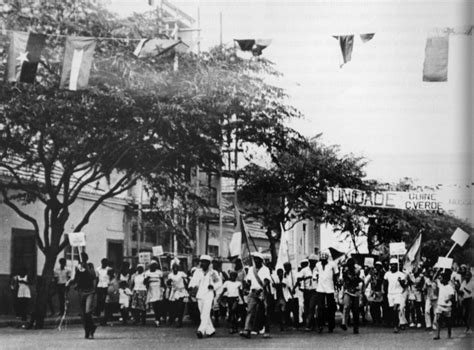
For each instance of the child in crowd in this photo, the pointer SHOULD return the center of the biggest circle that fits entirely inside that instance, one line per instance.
(232, 290)
(446, 297)
(124, 300)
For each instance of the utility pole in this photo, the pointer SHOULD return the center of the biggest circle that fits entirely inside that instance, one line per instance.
(220, 29)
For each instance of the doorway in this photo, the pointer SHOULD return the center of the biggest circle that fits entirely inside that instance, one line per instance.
(115, 252)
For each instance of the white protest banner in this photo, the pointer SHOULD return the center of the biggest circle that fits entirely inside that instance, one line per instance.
(157, 250)
(144, 258)
(444, 263)
(369, 262)
(460, 237)
(397, 248)
(77, 239)
(414, 200)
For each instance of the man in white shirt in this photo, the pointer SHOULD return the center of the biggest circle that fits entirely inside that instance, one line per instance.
(326, 274)
(102, 284)
(394, 285)
(259, 279)
(308, 286)
(62, 275)
(206, 281)
(292, 307)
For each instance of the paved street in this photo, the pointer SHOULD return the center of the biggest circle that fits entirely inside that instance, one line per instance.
(134, 337)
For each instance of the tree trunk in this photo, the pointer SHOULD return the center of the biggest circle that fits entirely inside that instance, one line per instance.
(43, 286)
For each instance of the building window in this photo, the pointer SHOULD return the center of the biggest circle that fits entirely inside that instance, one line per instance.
(213, 250)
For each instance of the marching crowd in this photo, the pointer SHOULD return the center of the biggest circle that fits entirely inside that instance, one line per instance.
(253, 298)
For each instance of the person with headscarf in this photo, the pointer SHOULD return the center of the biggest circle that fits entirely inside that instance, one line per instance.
(154, 296)
(139, 295)
(177, 280)
(204, 282)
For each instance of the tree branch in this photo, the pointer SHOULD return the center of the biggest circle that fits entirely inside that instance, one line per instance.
(26, 217)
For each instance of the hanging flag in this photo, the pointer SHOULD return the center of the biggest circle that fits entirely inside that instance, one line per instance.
(256, 46)
(366, 37)
(413, 256)
(24, 55)
(435, 67)
(77, 62)
(346, 42)
(155, 47)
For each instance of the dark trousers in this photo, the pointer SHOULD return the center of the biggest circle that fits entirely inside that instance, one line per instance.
(257, 313)
(22, 308)
(376, 312)
(351, 304)
(177, 311)
(326, 310)
(61, 289)
(311, 300)
(467, 312)
(109, 310)
(158, 309)
(125, 314)
(292, 310)
(232, 306)
(101, 295)
(86, 302)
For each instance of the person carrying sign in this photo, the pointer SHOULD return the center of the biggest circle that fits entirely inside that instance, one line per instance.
(203, 284)
(85, 279)
(259, 278)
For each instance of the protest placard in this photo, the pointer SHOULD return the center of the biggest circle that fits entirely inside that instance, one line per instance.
(157, 250)
(460, 237)
(144, 258)
(444, 263)
(77, 239)
(397, 248)
(369, 262)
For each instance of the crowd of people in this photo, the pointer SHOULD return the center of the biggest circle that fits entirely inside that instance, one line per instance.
(254, 298)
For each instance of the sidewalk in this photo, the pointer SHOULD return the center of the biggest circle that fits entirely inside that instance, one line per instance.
(16, 322)
(52, 321)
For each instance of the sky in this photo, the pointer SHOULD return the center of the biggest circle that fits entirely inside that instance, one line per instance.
(376, 105)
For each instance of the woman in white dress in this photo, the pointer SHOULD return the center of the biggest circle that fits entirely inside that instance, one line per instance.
(178, 281)
(154, 281)
(23, 294)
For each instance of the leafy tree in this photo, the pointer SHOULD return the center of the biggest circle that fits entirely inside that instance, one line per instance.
(138, 120)
(294, 187)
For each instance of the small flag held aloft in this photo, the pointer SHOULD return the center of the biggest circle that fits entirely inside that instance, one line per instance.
(24, 55)
(435, 67)
(77, 62)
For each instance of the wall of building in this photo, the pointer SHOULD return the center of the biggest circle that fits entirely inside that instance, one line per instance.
(108, 223)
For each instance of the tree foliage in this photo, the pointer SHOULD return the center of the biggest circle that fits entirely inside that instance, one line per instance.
(139, 119)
